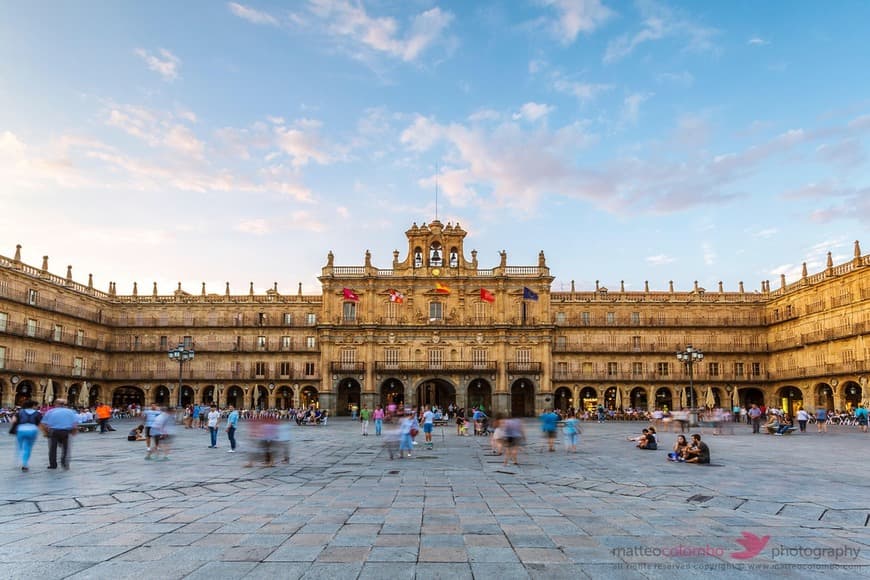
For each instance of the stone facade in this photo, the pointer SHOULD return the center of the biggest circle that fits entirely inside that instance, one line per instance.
(436, 328)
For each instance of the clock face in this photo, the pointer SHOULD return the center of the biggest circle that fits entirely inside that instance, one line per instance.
(436, 271)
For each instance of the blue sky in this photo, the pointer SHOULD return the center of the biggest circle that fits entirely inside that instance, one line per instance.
(209, 141)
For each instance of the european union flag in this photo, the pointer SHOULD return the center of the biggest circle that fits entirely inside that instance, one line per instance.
(528, 294)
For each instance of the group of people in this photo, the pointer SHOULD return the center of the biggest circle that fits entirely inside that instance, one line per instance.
(683, 452)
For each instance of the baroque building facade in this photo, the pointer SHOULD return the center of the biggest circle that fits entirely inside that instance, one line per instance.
(436, 328)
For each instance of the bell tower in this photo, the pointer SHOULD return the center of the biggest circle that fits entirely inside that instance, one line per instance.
(435, 249)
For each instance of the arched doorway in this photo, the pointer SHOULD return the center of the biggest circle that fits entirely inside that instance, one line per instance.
(187, 396)
(562, 399)
(522, 398)
(480, 395)
(309, 397)
(852, 395)
(824, 396)
(95, 393)
(260, 397)
(393, 393)
(718, 401)
(750, 396)
(236, 397)
(284, 398)
(161, 396)
(664, 399)
(208, 395)
(123, 397)
(24, 392)
(72, 395)
(588, 399)
(349, 394)
(637, 399)
(610, 398)
(436, 392)
(692, 399)
(791, 399)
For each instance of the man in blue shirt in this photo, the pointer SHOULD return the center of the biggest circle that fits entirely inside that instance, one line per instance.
(59, 424)
(232, 424)
(549, 420)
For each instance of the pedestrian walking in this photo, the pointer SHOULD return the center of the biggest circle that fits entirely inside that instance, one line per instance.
(572, 433)
(428, 426)
(802, 418)
(821, 420)
(364, 417)
(60, 424)
(232, 425)
(549, 421)
(25, 427)
(214, 419)
(162, 431)
(151, 415)
(104, 413)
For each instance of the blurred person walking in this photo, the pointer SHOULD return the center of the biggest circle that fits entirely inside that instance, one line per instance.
(232, 425)
(25, 427)
(59, 424)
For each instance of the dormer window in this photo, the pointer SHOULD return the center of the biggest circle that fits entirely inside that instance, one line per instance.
(435, 255)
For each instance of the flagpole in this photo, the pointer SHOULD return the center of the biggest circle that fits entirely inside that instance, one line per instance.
(436, 191)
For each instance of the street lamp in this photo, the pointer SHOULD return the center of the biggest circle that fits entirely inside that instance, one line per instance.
(180, 354)
(689, 357)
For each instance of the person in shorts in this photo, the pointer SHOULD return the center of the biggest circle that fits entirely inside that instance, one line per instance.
(549, 421)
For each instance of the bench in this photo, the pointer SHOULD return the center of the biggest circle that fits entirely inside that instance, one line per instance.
(90, 426)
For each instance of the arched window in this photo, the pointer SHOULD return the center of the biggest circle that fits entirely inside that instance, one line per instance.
(418, 257)
(436, 254)
(454, 258)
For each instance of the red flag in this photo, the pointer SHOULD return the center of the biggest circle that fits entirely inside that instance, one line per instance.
(350, 294)
(487, 296)
(396, 296)
(442, 288)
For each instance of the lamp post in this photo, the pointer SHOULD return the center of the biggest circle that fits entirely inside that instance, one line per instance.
(689, 357)
(181, 354)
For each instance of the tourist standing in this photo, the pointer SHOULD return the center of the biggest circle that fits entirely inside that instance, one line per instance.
(232, 425)
(428, 426)
(26, 428)
(379, 420)
(822, 420)
(214, 419)
(754, 415)
(59, 425)
(861, 415)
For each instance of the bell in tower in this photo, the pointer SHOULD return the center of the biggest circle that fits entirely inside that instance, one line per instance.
(435, 254)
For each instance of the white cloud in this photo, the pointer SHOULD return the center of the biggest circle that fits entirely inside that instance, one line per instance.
(484, 115)
(251, 14)
(757, 41)
(532, 112)
(659, 22)
(350, 20)
(659, 260)
(257, 227)
(765, 233)
(164, 63)
(709, 254)
(582, 91)
(157, 129)
(631, 106)
(303, 143)
(576, 16)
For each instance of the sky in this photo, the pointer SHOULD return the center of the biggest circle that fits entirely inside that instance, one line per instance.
(207, 141)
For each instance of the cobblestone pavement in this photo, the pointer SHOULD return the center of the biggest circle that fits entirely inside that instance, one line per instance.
(343, 509)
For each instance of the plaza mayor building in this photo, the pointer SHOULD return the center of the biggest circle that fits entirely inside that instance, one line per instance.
(437, 327)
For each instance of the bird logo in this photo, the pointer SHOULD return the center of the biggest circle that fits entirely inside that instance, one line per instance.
(752, 545)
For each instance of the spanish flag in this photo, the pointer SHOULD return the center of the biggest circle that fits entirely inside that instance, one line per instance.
(487, 296)
(350, 295)
(442, 288)
(396, 296)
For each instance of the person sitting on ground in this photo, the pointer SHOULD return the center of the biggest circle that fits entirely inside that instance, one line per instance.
(136, 433)
(680, 447)
(649, 440)
(698, 451)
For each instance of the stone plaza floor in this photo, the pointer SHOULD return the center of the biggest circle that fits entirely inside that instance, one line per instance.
(343, 509)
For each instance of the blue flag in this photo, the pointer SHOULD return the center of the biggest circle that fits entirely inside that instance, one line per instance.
(528, 294)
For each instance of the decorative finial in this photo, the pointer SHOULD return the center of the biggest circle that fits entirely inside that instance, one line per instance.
(227, 291)
(251, 289)
(696, 285)
(275, 287)
(721, 288)
(69, 273)
(17, 252)
(572, 286)
(154, 289)
(300, 288)
(740, 286)
(671, 286)
(91, 281)
(330, 258)
(622, 285)
(135, 289)
(830, 261)
(782, 280)
(368, 259)
(804, 270)
(857, 252)
(45, 263)
(203, 288)
(646, 285)
(596, 286)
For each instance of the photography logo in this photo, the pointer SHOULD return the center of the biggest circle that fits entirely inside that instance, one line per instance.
(752, 546)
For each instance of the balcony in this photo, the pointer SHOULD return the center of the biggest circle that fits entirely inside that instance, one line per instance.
(340, 367)
(524, 368)
(468, 366)
(605, 376)
(47, 335)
